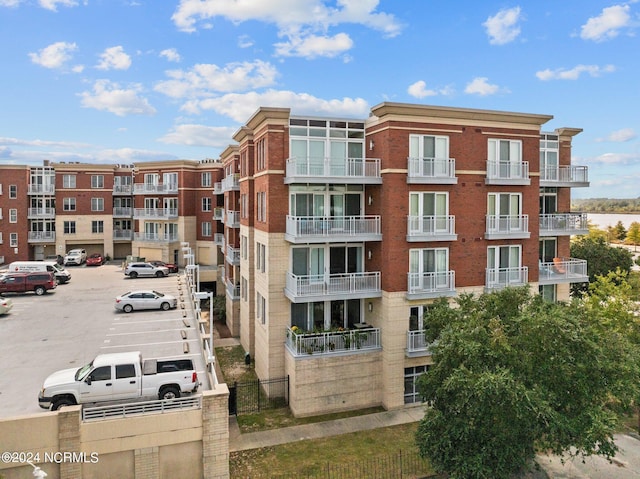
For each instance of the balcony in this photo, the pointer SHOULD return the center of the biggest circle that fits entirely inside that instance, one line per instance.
(218, 239)
(233, 291)
(218, 214)
(301, 344)
(431, 228)
(217, 188)
(126, 190)
(155, 237)
(155, 213)
(323, 229)
(333, 170)
(308, 288)
(233, 255)
(122, 235)
(41, 237)
(507, 173)
(563, 270)
(500, 278)
(41, 189)
(429, 171)
(231, 183)
(564, 224)
(570, 176)
(233, 219)
(41, 213)
(416, 344)
(507, 227)
(431, 285)
(150, 189)
(122, 212)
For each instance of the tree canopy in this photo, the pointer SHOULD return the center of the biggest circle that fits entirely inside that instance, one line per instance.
(514, 374)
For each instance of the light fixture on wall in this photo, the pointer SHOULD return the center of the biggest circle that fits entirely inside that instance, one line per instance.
(370, 307)
(370, 200)
(369, 254)
(371, 145)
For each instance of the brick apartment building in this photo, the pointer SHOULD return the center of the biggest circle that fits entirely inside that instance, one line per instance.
(328, 236)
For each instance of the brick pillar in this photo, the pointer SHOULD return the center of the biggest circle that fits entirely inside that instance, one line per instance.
(146, 463)
(215, 433)
(69, 440)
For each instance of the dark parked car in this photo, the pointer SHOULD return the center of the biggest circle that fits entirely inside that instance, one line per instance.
(173, 268)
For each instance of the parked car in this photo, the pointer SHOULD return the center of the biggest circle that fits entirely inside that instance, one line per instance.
(5, 305)
(55, 257)
(39, 283)
(133, 270)
(95, 259)
(173, 268)
(137, 300)
(75, 256)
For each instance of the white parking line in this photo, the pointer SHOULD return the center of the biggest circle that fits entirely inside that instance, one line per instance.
(129, 333)
(152, 344)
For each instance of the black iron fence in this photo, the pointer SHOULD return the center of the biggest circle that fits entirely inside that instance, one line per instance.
(255, 396)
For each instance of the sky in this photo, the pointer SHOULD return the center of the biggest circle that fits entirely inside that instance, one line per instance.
(125, 81)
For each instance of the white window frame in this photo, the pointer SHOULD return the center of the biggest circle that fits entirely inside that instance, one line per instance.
(97, 226)
(13, 192)
(206, 228)
(68, 181)
(205, 179)
(206, 203)
(97, 204)
(67, 226)
(495, 153)
(97, 181)
(261, 308)
(13, 240)
(69, 204)
(13, 215)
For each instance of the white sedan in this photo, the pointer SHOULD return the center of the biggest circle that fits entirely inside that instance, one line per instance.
(5, 305)
(135, 300)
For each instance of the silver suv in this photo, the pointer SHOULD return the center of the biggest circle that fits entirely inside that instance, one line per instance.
(133, 270)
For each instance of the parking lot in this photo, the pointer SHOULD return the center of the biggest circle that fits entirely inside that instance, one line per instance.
(69, 326)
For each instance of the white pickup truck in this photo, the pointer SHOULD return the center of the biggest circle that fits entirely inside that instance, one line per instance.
(119, 377)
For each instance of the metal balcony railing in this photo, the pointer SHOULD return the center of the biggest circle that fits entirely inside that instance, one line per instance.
(123, 235)
(233, 255)
(217, 188)
(122, 189)
(334, 170)
(41, 236)
(122, 212)
(41, 189)
(508, 173)
(218, 239)
(155, 213)
(146, 189)
(416, 344)
(431, 170)
(507, 226)
(431, 285)
(233, 291)
(338, 228)
(563, 270)
(156, 237)
(332, 342)
(571, 176)
(233, 219)
(431, 228)
(344, 285)
(231, 183)
(41, 213)
(564, 224)
(499, 278)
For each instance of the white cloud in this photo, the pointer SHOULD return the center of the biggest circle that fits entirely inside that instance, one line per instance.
(574, 73)
(503, 26)
(240, 106)
(171, 54)
(114, 58)
(607, 25)
(612, 159)
(9, 3)
(53, 4)
(481, 86)
(244, 41)
(419, 90)
(312, 46)
(40, 143)
(204, 79)
(108, 96)
(620, 136)
(54, 55)
(199, 135)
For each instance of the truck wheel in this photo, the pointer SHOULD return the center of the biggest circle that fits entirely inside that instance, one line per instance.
(165, 306)
(39, 290)
(159, 274)
(58, 403)
(133, 275)
(169, 392)
(127, 308)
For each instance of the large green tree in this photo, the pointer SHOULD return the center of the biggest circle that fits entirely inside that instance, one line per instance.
(633, 235)
(601, 259)
(514, 374)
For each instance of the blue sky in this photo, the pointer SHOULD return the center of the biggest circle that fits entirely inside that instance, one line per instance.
(120, 81)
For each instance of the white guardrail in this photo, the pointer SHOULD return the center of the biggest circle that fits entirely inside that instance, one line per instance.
(141, 408)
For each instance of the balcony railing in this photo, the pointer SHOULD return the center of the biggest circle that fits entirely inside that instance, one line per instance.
(499, 278)
(233, 219)
(122, 189)
(218, 214)
(41, 189)
(218, 239)
(233, 255)
(233, 291)
(333, 286)
(332, 342)
(231, 183)
(508, 173)
(571, 176)
(431, 285)
(156, 237)
(41, 236)
(155, 213)
(122, 212)
(39, 213)
(563, 270)
(564, 224)
(333, 170)
(507, 227)
(217, 188)
(122, 235)
(416, 344)
(307, 229)
(432, 171)
(431, 228)
(147, 189)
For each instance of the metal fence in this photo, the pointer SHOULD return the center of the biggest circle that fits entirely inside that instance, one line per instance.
(141, 408)
(255, 396)
(401, 465)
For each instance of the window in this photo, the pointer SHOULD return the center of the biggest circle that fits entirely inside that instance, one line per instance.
(428, 269)
(1, 237)
(428, 147)
(13, 240)
(244, 209)
(428, 212)
(261, 199)
(1, 217)
(504, 212)
(13, 215)
(244, 247)
(97, 204)
(206, 204)
(68, 204)
(125, 371)
(13, 191)
(261, 307)
(69, 227)
(170, 181)
(206, 228)
(205, 179)
(548, 292)
(549, 165)
(411, 389)
(261, 260)
(102, 373)
(244, 289)
(504, 265)
(97, 226)
(260, 155)
(97, 181)
(505, 151)
(68, 181)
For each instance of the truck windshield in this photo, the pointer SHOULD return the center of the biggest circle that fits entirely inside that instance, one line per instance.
(82, 372)
(57, 267)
